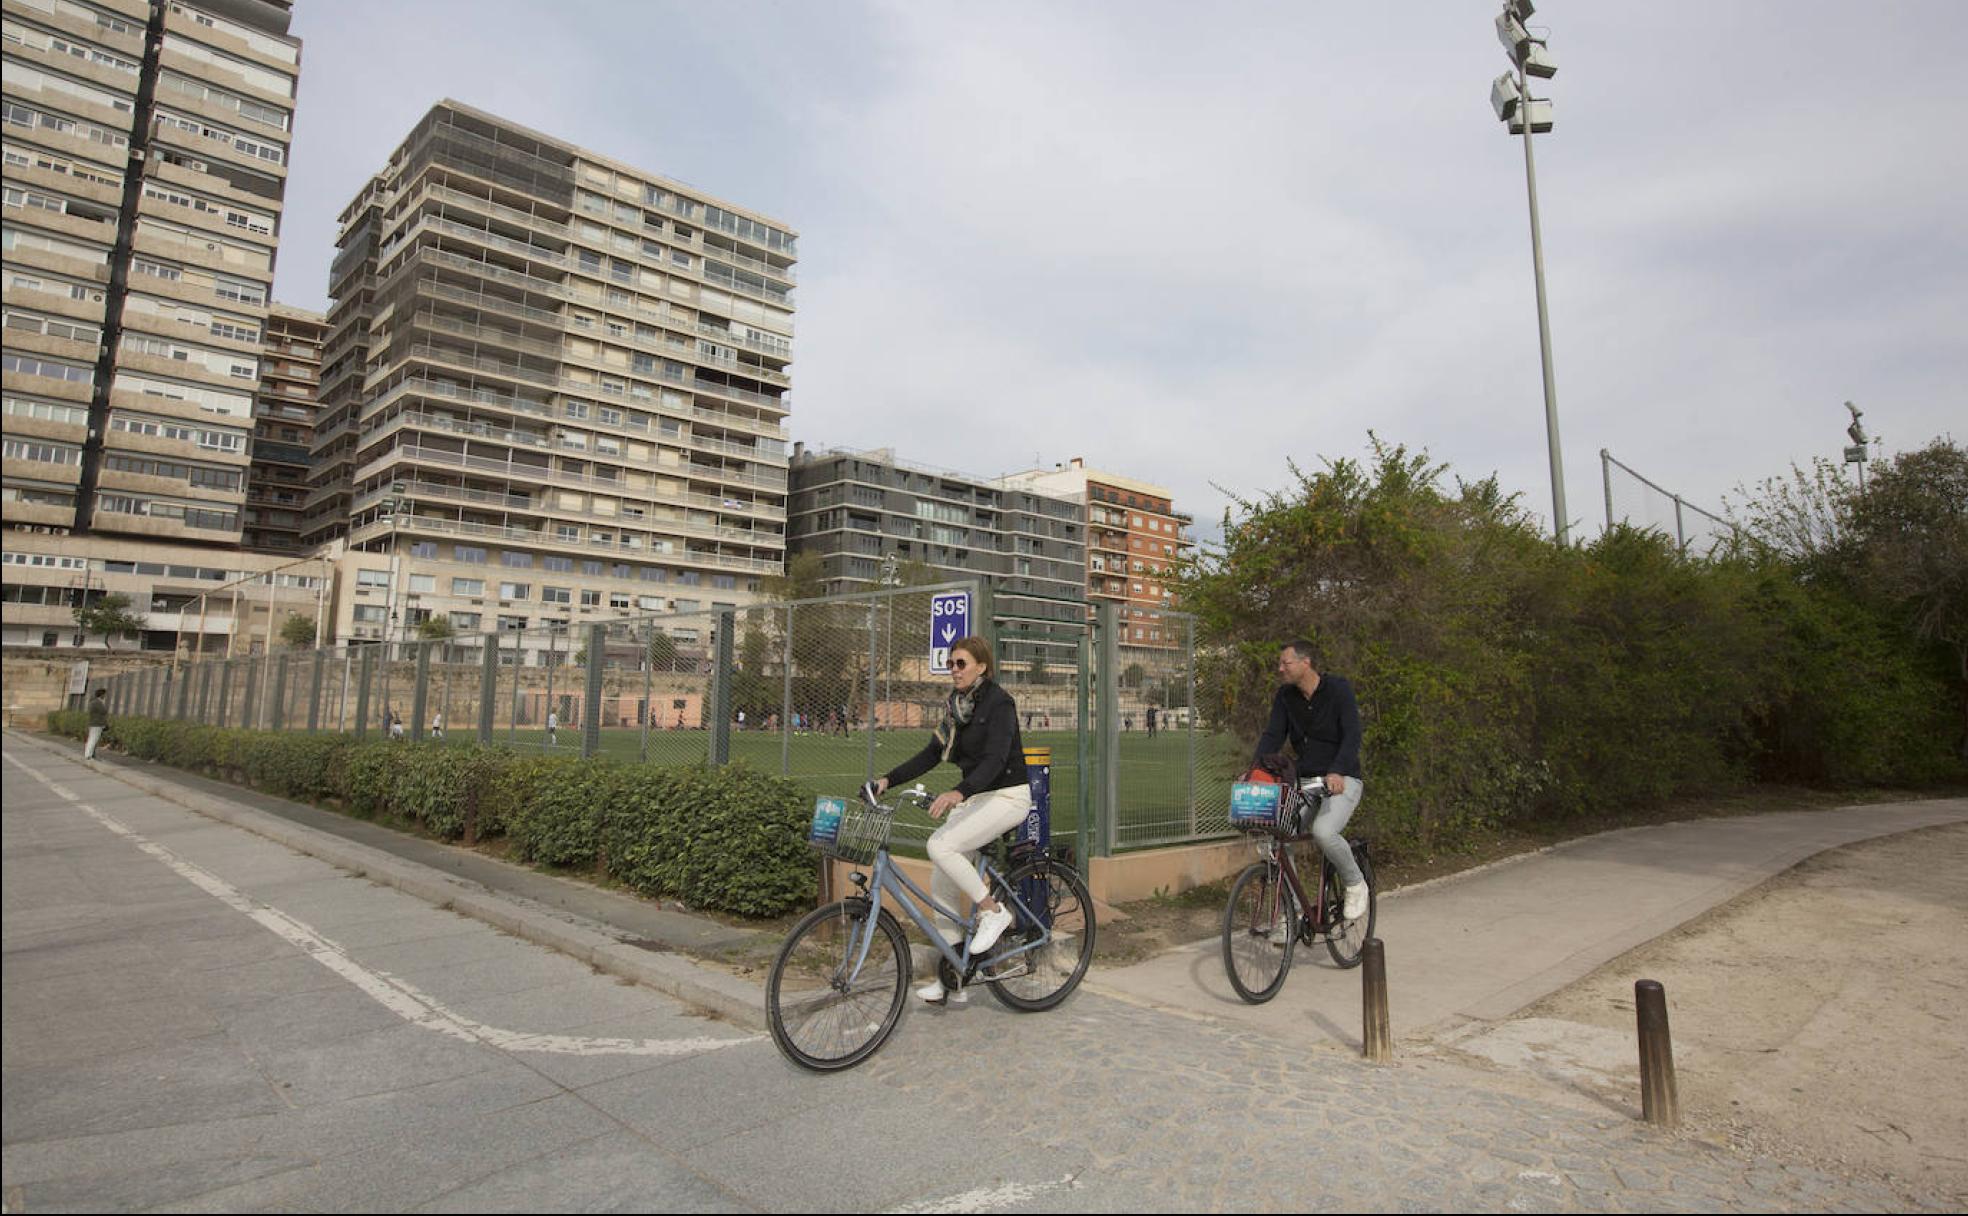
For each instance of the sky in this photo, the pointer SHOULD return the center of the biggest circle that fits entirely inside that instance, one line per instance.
(1193, 244)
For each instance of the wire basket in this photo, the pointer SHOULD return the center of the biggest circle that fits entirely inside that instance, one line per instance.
(850, 831)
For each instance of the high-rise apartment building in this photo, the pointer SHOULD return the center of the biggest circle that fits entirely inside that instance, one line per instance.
(553, 385)
(1135, 537)
(145, 163)
(862, 511)
(283, 428)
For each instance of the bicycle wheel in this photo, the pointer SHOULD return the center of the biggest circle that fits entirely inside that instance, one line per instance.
(822, 1018)
(1260, 900)
(1346, 938)
(1042, 978)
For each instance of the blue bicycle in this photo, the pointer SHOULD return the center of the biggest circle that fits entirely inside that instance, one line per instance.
(841, 981)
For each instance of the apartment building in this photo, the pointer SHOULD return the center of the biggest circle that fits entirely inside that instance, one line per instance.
(283, 428)
(145, 164)
(1135, 537)
(863, 510)
(553, 386)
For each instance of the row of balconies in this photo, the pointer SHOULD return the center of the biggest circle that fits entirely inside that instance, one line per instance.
(377, 529)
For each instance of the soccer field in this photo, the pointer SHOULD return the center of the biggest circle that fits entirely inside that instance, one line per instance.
(1155, 773)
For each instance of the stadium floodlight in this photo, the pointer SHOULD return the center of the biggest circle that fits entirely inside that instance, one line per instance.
(1522, 114)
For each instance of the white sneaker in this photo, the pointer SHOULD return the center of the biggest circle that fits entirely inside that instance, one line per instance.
(935, 994)
(990, 927)
(1356, 901)
(1281, 933)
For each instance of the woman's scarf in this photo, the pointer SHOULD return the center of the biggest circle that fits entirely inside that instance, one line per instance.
(956, 714)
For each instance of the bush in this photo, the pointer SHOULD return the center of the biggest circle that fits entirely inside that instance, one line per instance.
(727, 839)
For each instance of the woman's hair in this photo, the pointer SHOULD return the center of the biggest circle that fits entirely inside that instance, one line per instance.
(980, 650)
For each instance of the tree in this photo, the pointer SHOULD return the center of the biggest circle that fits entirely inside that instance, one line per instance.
(297, 631)
(111, 617)
(662, 652)
(1133, 675)
(436, 629)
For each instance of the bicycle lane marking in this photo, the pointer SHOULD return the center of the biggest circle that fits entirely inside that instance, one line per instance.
(396, 995)
(987, 1198)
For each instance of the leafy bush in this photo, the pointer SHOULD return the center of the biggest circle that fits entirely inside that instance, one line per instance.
(727, 839)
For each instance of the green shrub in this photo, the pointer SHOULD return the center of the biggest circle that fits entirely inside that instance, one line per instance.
(729, 839)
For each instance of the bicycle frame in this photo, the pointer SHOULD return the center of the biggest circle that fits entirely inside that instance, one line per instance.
(1281, 853)
(887, 879)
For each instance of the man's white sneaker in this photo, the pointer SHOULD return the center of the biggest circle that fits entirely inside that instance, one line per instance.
(990, 927)
(1356, 901)
(1281, 934)
(935, 994)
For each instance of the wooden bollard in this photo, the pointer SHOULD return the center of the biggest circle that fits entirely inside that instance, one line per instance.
(1377, 1044)
(1659, 1103)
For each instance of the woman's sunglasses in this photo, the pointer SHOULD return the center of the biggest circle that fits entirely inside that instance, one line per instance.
(958, 664)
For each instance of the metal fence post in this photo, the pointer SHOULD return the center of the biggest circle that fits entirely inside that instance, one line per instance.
(314, 690)
(204, 694)
(648, 688)
(519, 681)
(1189, 666)
(874, 714)
(488, 688)
(1084, 754)
(727, 625)
(184, 695)
(249, 716)
(786, 703)
(420, 699)
(1107, 720)
(986, 623)
(225, 692)
(277, 711)
(591, 709)
(362, 693)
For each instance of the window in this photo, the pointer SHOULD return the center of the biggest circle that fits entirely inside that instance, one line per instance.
(591, 568)
(468, 553)
(370, 614)
(467, 586)
(618, 599)
(652, 574)
(512, 622)
(422, 548)
(465, 622)
(421, 584)
(554, 595)
(650, 603)
(516, 561)
(515, 591)
(591, 599)
(372, 578)
(559, 565)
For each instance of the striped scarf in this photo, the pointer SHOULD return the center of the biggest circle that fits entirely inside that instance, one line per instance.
(956, 715)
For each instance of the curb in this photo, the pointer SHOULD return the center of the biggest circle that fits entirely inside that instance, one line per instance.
(592, 942)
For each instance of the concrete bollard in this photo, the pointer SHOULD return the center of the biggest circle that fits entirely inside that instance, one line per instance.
(1659, 1103)
(1377, 1043)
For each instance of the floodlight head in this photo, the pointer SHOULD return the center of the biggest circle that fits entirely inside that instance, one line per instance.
(1504, 96)
(1856, 412)
(1856, 432)
(1539, 110)
(1512, 34)
(1520, 9)
(1539, 61)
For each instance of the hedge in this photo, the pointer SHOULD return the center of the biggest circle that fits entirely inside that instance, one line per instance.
(728, 839)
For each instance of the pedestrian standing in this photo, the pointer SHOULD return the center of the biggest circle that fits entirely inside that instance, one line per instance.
(98, 722)
(553, 727)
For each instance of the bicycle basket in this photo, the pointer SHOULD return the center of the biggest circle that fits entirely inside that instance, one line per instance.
(1255, 806)
(850, 831)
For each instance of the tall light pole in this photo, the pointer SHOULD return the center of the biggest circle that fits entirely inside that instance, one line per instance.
(1523, 114)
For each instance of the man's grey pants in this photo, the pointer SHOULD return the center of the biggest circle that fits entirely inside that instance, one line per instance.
(95, 737)
(1330, 822)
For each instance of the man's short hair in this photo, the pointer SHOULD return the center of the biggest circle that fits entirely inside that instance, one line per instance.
(1302, 648)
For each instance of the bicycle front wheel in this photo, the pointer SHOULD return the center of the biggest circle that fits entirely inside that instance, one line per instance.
(825, 1013)
(1260, 932)
(1040, 979)
(1345, 939)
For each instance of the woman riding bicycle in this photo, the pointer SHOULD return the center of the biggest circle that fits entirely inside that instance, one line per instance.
(979, 734)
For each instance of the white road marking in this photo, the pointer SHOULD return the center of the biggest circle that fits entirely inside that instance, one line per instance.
(396, 995)
(985, 1199)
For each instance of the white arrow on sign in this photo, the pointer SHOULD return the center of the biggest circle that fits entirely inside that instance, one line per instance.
(949, 633)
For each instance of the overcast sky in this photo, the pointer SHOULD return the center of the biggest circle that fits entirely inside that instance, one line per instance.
(1187, 243)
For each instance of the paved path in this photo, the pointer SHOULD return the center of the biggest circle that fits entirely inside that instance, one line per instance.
(197, 1017)
(1483, 945)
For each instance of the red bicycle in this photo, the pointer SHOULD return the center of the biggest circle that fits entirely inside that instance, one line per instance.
(1270, 911)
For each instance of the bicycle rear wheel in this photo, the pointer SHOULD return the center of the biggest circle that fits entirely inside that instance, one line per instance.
(1260, 903)
(1040, 979)
(822, 1017)
(1345, 939)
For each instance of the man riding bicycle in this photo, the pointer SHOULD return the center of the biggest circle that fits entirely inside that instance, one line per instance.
(1320, 717)
(979, 734)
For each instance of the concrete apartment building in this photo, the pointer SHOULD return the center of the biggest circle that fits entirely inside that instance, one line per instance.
(859, 510)
(283, 428)
(1134, 538)
(145, 165)
(553, 388)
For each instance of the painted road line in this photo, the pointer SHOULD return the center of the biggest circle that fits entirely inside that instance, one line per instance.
(394, 994)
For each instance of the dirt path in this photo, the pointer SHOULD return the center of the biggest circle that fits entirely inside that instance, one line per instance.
(1820, 1015)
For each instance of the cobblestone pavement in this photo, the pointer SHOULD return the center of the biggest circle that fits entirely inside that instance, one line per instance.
(169, 1048)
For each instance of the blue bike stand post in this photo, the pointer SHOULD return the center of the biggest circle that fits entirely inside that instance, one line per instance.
(1037, 830)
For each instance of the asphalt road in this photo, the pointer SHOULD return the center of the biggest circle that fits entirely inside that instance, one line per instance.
(198, 1018)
